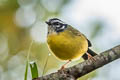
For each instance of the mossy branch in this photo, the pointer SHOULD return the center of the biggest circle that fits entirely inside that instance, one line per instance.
(85, 67)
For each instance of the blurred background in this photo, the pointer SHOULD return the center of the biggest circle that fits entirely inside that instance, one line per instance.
(23, 22)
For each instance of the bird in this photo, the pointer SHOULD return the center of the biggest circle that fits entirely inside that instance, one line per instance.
(67, 43)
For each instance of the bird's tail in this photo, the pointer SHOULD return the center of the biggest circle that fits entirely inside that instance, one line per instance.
(91, 52)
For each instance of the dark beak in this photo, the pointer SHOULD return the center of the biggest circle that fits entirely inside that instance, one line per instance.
(47, 22)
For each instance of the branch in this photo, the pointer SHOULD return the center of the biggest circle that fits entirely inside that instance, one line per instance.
(85, 67)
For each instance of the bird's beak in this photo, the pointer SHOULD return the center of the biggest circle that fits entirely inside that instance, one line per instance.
(47, 22)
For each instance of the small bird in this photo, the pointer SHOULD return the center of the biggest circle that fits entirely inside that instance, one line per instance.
(66, 42)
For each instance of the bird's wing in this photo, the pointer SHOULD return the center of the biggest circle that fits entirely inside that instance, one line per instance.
(89, 43)
(78, 33)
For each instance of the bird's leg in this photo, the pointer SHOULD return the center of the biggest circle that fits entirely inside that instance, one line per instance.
(63, 66)
(90, 57)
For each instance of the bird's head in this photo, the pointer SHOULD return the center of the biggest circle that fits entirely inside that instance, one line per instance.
(56, 25)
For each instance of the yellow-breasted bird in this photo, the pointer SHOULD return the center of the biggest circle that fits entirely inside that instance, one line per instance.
(66, 42)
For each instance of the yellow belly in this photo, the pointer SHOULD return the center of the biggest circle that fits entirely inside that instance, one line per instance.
(66, 46)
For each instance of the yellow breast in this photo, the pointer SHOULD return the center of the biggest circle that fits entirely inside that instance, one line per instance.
(66, 46)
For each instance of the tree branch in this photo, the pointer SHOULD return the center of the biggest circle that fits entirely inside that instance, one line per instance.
(85, 67)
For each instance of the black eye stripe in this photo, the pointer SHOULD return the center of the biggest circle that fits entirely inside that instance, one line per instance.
(60, 26)
(56, 23)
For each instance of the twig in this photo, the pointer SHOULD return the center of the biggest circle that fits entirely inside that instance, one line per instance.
(85, 67)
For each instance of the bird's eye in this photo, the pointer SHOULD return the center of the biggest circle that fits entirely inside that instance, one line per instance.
(56, 23)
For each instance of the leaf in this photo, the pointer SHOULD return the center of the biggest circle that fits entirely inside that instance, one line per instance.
(26, 71)
(34, 70)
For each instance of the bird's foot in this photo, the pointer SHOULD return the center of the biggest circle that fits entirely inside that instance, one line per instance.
(91, 57)
(63, 66)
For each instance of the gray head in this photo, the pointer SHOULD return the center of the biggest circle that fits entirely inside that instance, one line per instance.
(56, 25)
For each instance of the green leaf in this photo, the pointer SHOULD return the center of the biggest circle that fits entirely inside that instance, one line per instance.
(34, 70)
(26, 71)
(27, 62)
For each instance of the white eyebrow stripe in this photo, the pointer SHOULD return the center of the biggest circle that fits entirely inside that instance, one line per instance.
(57, 21)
